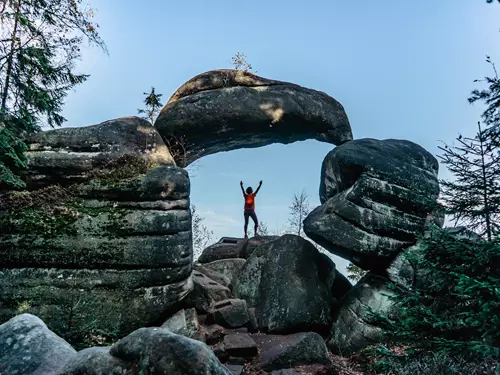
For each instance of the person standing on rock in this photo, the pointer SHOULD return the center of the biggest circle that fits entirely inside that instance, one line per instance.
(249, 209)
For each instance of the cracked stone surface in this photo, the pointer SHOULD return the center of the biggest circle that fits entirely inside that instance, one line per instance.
(353, 328)
(377, 197)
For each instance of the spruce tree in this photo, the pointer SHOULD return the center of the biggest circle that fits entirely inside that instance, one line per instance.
(491, 98)
(40, 42)
(153, 106)
(473, 198)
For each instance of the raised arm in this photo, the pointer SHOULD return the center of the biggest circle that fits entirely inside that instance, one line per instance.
(260, 184)
(241, 186)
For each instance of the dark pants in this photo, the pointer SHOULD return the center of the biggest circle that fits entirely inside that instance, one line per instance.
(251, 213)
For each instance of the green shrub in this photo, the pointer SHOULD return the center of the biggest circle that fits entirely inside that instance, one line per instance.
(434, 364)
(12, 159)
(457, 306)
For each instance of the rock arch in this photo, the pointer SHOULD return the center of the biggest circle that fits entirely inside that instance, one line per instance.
(224, 110)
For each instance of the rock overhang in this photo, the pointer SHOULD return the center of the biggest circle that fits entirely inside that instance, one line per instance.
(225, 110)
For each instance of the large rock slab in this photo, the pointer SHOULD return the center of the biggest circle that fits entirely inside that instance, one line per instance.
(354, 328)
(206, 293)
(288, 282)
(224, 110)
(148, 351)
(377, 197)
(226, 267)
(240, 344)
(28, 347)
(212, 274)
(225, 248)
(69, 155)
(286, 351)
(341, 285)
(185, 323)
(254, 242)
(109, 248)
(231, 313)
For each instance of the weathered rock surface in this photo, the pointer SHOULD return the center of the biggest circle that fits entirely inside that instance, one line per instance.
(148, 351)
(114, 248)
(341, 286)
(206, 293)
(212, 274)
(235, 369)
(69, 155)
(227, 267)
(254, 242)
(376, 198)
(354, 328)
(224, 110)
(225, 248)
(185, 323)
(288, 282)
(286, 351)
(28, 347)
(214, 334)
(240, 344)
(231, 313)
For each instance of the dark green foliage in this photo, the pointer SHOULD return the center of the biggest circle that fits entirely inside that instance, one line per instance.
(473, 197)
(39, 46)
(12, 159)
(456, 309)
(431, 364)
(153, 106)
(491, 98)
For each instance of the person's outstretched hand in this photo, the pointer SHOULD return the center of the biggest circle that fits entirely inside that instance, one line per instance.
(241, 183)
(260, 183)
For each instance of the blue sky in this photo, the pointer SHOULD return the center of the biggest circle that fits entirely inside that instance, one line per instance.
(401, 69)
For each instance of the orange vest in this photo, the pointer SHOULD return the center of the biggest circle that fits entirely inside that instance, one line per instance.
(250, 201)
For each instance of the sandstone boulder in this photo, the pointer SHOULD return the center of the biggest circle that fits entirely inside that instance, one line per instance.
(206, 293)
(288, 282)
(224, 110)
(354, 328)
(185, 323)
(286, 351)
(341, 286)
(225, 248)
(227, 267)
(69, 155)
(212, 274)
(377, 196)
(254, 242)
(148, 351)
(240, 344)
(28, 347)
(231, 313)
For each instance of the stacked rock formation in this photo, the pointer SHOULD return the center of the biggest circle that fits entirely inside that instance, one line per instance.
(264, 303)
(102, 240)
(377, 197)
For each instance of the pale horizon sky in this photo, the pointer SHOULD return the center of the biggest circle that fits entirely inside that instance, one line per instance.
(401, 70)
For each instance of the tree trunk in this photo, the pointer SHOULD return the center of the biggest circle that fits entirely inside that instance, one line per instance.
(485, 187)
(10, 60)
